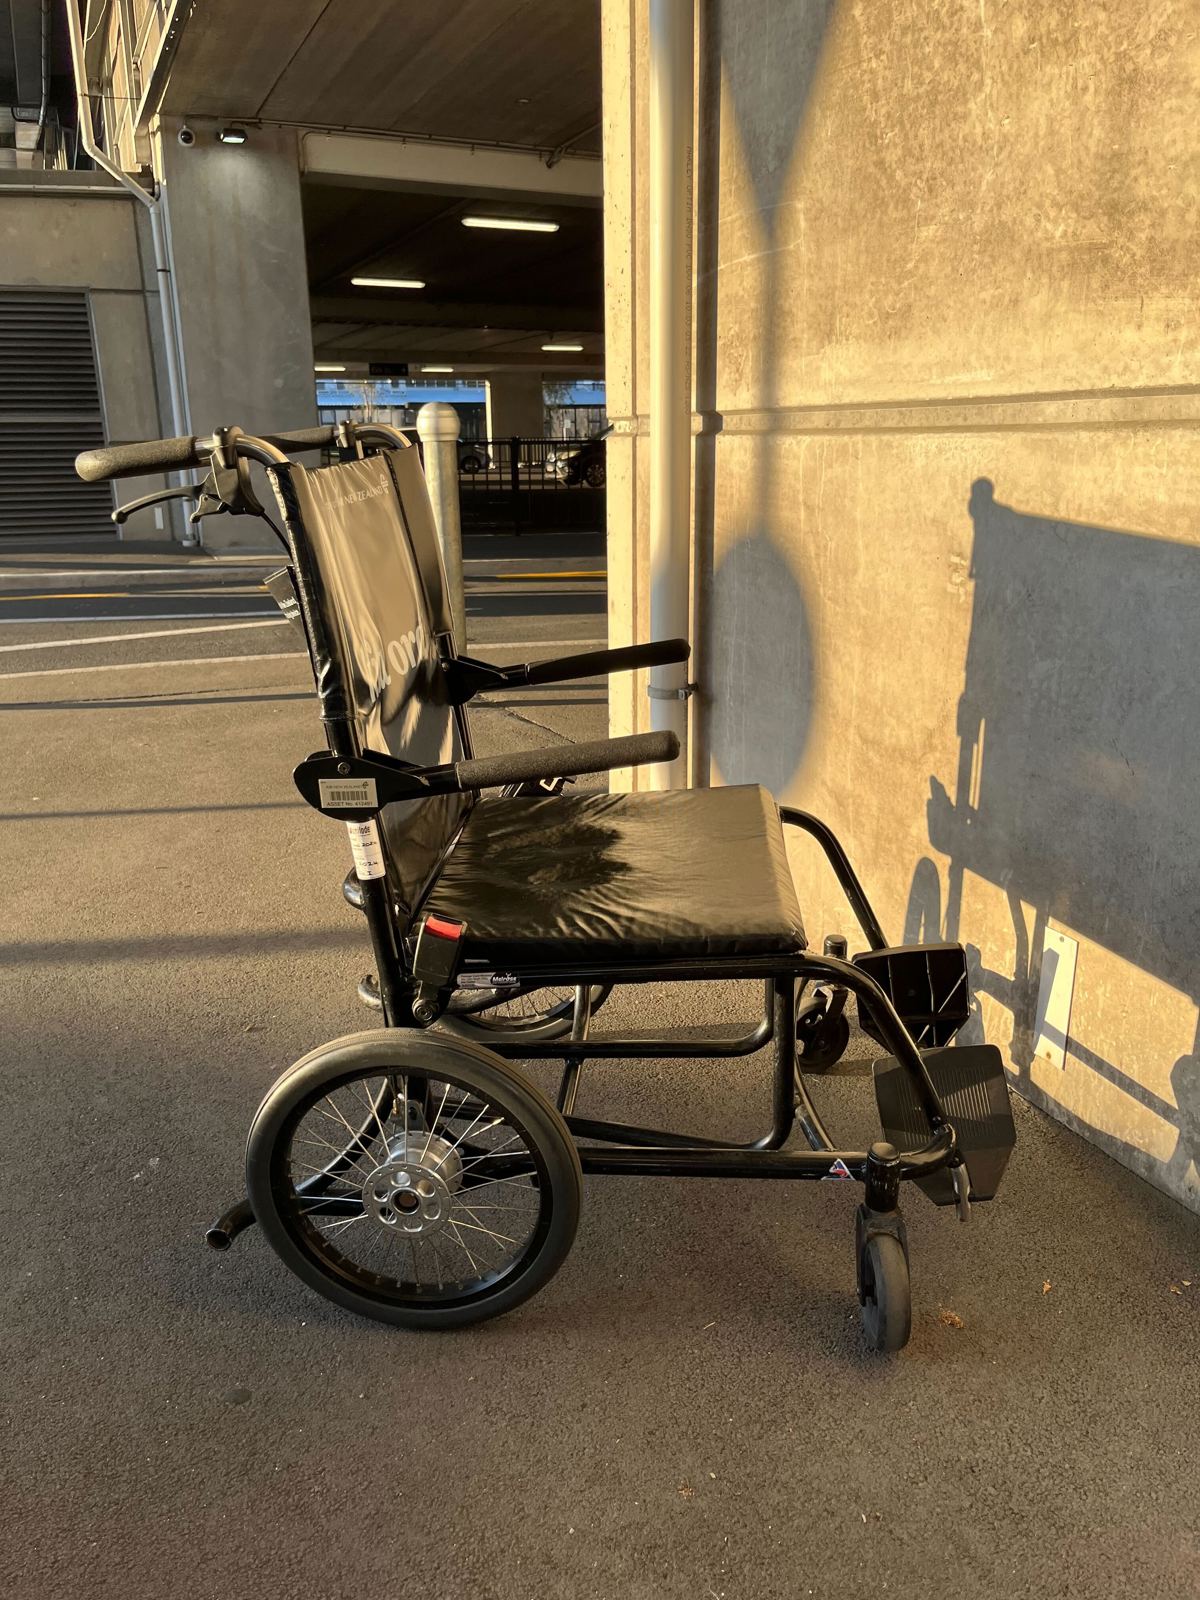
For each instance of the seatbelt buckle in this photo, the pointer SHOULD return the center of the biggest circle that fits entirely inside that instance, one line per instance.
(435, 963)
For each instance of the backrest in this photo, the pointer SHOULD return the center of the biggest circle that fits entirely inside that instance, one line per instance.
(373, 644)
(417, 515)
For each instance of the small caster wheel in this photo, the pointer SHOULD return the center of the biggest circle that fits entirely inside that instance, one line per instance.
(821, 1039)
(884, 1292)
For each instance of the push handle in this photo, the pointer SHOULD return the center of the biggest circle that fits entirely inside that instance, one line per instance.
(300, 439)
(593, 662)
(568, 760)
(136, 460)
(176, 455)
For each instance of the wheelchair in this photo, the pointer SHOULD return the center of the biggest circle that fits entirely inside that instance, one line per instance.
(413, 1173)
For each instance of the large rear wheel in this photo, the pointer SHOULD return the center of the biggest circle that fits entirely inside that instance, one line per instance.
(414, 1179)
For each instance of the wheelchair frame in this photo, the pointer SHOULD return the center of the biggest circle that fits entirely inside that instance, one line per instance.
(651, 1152)
(604, 1147)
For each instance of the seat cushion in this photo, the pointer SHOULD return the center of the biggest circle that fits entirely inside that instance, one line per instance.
(622, 877)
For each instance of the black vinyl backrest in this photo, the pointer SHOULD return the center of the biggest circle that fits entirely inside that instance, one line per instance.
(373, 645)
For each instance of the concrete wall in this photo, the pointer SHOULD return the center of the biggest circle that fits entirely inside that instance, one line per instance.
(75, 231)
(946, 562)
(237, 253)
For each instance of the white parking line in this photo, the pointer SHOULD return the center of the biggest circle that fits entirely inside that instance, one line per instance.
(109, 574)
(168, 661)
(260, 655)
(136, 616)
(121, 638)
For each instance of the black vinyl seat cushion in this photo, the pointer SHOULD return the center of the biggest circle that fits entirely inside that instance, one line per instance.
(622, 877)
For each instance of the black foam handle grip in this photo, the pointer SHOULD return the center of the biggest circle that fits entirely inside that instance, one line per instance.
(174, 455)
(567, 760)
(659, 654)
(301, 438)
(135, 460)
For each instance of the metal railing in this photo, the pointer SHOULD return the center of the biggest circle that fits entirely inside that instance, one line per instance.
(516, 484)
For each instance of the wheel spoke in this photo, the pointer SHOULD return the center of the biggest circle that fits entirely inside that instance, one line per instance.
(415, 1218)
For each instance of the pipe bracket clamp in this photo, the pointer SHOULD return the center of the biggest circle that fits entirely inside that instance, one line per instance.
(671, 694)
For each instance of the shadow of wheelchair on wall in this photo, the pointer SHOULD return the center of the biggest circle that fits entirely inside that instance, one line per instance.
(1078, 782)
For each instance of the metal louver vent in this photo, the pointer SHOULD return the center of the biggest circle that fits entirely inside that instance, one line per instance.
(49, 411)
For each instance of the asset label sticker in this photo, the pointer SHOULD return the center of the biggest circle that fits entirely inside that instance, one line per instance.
(839, 1169)
(367, 849)
(348, 794)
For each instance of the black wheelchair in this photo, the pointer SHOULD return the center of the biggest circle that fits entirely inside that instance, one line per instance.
(412, 1173)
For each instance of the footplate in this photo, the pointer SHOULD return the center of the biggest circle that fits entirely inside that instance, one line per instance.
(970, 1081)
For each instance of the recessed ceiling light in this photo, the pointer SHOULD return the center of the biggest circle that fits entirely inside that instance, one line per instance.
(437, 369)
(562, 347)
(231, 135)
(388, 283)
(511, 224)
(328, 366)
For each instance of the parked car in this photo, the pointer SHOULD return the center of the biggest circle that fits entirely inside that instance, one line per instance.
(580, 463)
(473, 455)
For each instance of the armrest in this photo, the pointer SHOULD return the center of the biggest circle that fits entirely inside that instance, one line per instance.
(354, 788)
(593, 662)
(567, 760)
(469, 677)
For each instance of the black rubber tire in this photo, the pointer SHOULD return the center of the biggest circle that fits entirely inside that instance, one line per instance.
(484, 1026)
(382, 1050)
(595, 474)
(884, 1292)
(826, 1047)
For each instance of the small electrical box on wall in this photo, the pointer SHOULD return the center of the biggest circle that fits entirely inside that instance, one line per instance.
(1052, 1027)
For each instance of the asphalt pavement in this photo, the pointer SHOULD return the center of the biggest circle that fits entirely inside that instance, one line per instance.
(686, 1411)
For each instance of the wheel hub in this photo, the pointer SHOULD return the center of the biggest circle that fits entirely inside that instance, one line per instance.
(412, 1191)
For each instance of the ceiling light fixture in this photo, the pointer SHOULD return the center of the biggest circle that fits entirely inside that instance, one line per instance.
(575, 347)
(437, 369)
(232, 135)
(388, 283)
(511, 224)
(328, 366)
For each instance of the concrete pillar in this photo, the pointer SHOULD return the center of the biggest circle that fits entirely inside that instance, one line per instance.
(437, 425)
(516, 405)
(236, 246)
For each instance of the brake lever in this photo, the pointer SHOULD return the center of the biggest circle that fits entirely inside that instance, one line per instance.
(123, 513)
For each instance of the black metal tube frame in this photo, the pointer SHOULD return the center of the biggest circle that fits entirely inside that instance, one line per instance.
(653, 1152)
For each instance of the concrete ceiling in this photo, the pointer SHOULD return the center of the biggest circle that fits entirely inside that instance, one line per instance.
(522, 72)
(21, 51)
(489, 296)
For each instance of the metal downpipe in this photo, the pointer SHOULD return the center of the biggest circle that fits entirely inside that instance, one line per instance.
(672, 27)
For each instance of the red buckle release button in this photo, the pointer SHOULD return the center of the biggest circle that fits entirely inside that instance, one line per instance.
(443, 928)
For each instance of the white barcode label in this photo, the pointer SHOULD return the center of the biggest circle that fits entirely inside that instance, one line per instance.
(367, 848)
(348, 794)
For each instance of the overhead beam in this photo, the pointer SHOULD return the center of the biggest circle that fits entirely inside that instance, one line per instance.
(416, 313)
(583, 366)
(382, 160)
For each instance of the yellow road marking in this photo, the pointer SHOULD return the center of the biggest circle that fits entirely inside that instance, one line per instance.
(530, 577)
